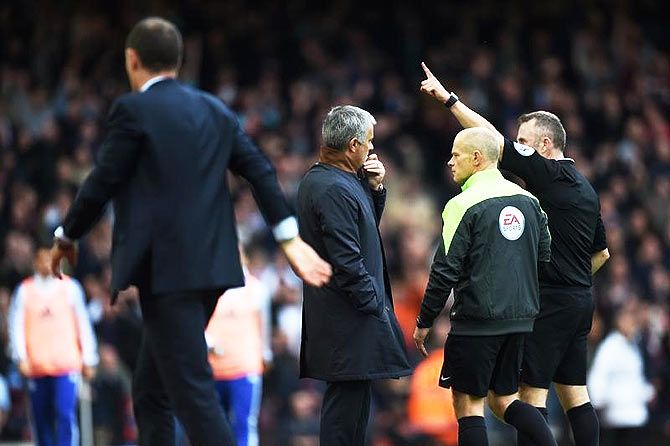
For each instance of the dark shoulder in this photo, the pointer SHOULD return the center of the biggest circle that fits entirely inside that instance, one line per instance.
(212, 101)
(127, 106)
(569, 169)
(127, 101)
(322, 182)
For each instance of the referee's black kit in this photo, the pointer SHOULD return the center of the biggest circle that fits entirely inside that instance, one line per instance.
(556, 350)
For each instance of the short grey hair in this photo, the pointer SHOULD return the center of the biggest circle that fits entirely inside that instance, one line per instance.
(547, 124)
(344, 123)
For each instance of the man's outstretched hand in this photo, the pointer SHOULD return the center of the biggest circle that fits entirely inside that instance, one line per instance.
(59, 251)
(432, 86)
(306, 263)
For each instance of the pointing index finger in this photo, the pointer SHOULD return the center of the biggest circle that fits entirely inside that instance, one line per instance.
(426, 70)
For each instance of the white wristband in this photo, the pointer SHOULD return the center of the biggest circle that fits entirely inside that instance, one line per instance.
(59, 233)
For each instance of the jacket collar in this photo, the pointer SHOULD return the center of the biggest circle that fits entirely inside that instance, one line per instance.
(154, 80)
(488, 175)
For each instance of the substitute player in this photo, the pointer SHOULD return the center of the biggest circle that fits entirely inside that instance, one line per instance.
(53, 343)
(493, 237)
(238, 338)
(556, 350)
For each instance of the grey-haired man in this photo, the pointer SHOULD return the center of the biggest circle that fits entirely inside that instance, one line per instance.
(350, 334)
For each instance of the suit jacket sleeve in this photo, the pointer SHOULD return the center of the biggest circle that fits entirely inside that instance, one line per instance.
(115, 166)
(338, 217)
(251, 164)
(379, 200)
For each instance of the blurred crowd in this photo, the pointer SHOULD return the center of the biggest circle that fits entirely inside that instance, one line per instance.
(602, 67)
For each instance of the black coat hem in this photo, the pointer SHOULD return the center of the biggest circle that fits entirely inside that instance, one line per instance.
(358, 377)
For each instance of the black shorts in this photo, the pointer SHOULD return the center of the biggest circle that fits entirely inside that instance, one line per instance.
(477, 364)
(556, 349)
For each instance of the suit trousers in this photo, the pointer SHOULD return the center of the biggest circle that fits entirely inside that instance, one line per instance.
(173, 376)
(345, 413)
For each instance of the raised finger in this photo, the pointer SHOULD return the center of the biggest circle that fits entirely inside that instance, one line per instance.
(426, 70)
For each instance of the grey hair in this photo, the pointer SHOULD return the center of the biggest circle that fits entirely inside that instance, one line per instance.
(547, 124)
(344, 123)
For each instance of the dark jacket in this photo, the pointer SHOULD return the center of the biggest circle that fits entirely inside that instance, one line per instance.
(349, 329)
(163, 164)
(493, 237)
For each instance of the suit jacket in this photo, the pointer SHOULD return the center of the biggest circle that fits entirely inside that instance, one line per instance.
(349, 330)
(163, 164)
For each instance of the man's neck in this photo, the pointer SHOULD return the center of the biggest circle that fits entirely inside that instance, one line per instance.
(556, 155)
(490, 166)
(336, 158)
(473, 178)
(146, 76)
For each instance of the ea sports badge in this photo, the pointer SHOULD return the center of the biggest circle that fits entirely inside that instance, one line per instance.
(511, 223)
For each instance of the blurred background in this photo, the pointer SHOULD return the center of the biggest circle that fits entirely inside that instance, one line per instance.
(602, 66)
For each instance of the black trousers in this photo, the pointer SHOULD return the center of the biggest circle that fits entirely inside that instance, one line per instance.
(173, 376)
(345, 413)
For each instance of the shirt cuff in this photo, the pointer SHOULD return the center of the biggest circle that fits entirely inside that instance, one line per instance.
(420, 323)
(59, 233)
(286, 229)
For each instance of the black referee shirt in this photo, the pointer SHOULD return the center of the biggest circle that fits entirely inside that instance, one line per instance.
(573, 208)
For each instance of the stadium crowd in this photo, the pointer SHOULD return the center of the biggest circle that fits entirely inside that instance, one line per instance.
(603, 68)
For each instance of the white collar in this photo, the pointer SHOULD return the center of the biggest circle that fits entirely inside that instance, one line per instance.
(152, 81)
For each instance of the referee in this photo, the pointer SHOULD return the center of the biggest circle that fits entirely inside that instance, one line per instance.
(556, 350)
(494, 233)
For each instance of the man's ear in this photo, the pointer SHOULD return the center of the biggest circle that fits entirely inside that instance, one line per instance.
(133, 59)
(353, 142)
(477, 158)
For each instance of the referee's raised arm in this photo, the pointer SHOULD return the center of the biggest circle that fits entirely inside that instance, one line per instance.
(466, 116)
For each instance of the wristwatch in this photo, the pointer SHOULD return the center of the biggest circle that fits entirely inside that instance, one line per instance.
(452, 100)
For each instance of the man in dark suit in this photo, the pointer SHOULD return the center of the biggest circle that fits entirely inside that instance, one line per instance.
(163, 164)
(350, 334)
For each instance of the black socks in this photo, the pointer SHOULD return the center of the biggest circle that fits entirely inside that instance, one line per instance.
(521, 439)
(472, 432)
(529, 423)
(584, 424)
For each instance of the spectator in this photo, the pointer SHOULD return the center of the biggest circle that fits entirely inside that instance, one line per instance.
(617, 383)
